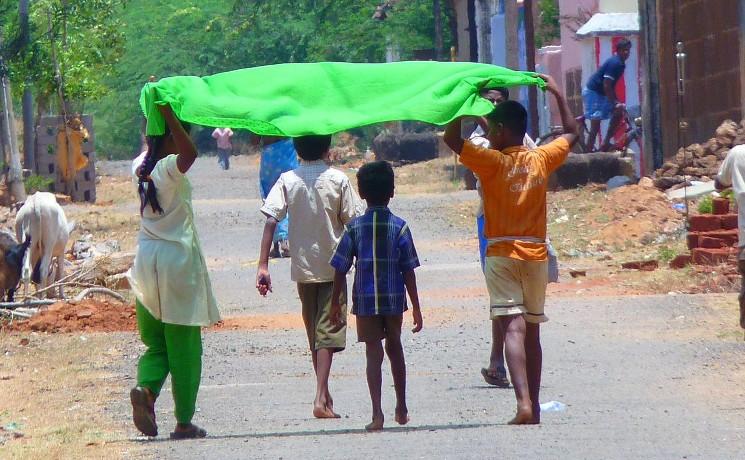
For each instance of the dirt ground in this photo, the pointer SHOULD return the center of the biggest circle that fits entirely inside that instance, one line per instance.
(57, 392)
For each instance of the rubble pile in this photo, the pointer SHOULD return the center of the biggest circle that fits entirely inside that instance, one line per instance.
(700, 161)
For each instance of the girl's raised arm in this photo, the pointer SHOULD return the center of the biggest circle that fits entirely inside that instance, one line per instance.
(187, 151)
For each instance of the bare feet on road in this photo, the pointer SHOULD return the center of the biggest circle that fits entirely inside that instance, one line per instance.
(524, 416)
(402, 415)
(376, 424)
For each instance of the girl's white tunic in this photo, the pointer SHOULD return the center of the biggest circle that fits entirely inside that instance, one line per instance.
(169, 276)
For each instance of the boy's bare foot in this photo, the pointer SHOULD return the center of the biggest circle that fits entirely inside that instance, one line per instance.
(524, 416)
(376, 424)
(322, 411)
(402, 416)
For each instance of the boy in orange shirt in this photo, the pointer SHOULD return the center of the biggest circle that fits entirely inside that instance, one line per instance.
(514, 180)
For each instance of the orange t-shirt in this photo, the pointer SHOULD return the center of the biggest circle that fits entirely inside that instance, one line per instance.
(514, 186)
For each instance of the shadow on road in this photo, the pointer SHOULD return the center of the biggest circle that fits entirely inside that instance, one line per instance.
(290, 434)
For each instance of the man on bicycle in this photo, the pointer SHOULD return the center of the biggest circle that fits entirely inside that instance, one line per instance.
(599, 95)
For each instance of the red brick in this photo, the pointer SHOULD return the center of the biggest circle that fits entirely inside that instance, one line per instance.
(680, 261)
(720, 206)
(703, 256)
(704, 223)
(643, 265)
(712, 243)
(728, 221)
(730, 237)
(692, 240)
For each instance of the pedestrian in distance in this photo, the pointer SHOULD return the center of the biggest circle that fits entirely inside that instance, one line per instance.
(224, 146)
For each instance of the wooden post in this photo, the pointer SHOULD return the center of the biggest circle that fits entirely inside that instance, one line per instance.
(651, 111)
(436, 12)
(530, 61)
(455, 155)
(510, 26)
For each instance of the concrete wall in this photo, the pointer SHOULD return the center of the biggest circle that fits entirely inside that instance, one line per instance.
(618, 6)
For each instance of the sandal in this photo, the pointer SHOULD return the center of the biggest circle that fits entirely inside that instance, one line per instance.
(496, 379)
(143, 411)
(193, 432)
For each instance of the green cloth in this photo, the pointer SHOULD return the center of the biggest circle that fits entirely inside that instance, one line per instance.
(328, 97)
(174, 349)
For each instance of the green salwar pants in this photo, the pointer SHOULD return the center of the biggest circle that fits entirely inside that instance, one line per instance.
(173, 349)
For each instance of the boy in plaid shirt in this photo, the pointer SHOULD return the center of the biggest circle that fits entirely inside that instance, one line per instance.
(381, 246)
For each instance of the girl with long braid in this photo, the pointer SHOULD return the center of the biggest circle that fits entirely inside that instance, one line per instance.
(170, 282)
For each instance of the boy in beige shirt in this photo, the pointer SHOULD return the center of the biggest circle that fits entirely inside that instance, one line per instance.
(321, 201)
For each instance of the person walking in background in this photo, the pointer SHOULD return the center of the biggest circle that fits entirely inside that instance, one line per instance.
(278, 156)
(224, 146)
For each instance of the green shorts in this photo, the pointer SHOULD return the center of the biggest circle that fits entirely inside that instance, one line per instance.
(316, 301)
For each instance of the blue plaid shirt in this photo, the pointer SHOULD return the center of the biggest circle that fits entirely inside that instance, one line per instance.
(381, 246)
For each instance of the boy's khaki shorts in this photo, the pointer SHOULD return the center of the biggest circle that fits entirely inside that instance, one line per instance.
(378, 327)
(316, 301)
(516, 287)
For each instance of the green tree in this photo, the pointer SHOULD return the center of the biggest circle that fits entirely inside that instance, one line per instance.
(85, 39)
(202, 37)
(549, 28)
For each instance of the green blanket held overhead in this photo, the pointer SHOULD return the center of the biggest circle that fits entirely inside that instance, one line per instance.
(328, 97)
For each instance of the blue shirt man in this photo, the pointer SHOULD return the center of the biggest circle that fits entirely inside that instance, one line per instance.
(599, 95)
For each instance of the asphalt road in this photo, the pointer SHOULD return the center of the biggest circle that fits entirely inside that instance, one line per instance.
(641, 377)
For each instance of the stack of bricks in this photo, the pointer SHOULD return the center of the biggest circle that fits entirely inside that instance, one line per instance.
(712, 238)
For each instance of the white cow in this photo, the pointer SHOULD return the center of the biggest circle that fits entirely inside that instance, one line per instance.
(43, 219)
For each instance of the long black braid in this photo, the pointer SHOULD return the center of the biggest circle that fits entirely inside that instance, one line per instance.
(148, 194)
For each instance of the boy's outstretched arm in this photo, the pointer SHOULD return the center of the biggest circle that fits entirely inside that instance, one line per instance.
(410, 283)
(452, 136)
(568, 123)
(263, 280)
(340, 282)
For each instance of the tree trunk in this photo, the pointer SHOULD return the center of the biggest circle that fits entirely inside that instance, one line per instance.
(437, 13)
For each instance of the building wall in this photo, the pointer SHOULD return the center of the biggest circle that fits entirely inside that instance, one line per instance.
(712, 39)
(618, 6)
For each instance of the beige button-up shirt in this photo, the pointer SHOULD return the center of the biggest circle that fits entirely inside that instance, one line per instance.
(320, 201)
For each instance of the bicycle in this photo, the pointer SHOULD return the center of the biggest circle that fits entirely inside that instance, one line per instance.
(629, 130)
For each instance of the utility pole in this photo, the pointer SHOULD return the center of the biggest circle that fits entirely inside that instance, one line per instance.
(530, 61)
(437, 13)
(15, 173)
(27, 101)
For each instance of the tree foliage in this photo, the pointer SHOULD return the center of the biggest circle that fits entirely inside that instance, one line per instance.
(85, 38)
(549, 28)
(201, 37)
